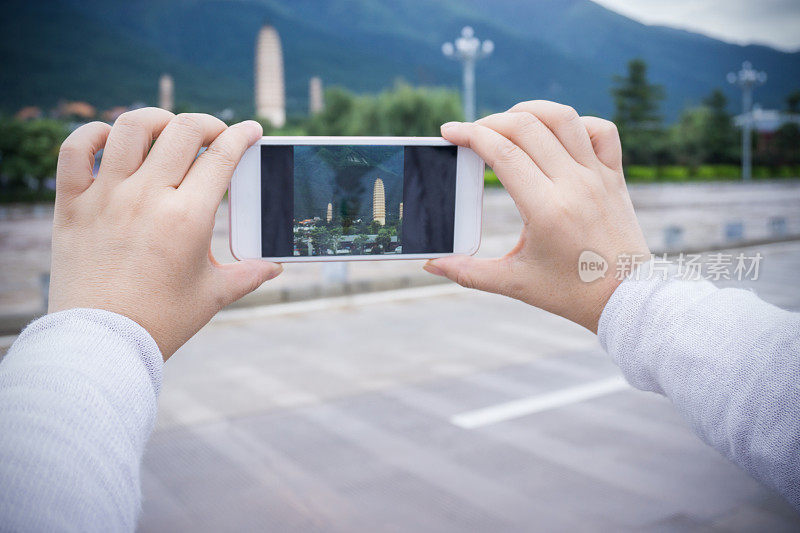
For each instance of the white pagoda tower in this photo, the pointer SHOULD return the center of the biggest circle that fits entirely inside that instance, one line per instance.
(270, 95)
(379, 203)
(166, 92)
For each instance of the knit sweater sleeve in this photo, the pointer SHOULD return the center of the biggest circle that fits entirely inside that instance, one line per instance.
(727, 360)
(78, 393)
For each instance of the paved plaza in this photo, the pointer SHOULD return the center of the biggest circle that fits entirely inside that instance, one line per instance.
(434, 408)
(348, 415)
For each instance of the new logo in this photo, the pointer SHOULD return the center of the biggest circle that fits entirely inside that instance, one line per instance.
(591, 266)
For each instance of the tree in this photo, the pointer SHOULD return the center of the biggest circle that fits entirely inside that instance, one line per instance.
(793, 103)
(359, 242)
(416, 111)
(383, 239)
(687, 137)
(721, 139)
(321, 240)
(375, 226)
(340, 111)
(705, 134)
(335, 239)
(402, 110)
(637, 115)
(786, 143)
(29, 153)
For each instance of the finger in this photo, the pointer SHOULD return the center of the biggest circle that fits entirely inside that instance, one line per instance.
(605, 141)
(517, 172)
(76, 158)
(178, 145)
(529, 133)
(490, 275)
(565, 124)
(129, 141)
(210, 175)
(242, 278)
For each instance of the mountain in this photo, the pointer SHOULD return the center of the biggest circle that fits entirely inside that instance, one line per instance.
(52, 52)
(112, 53)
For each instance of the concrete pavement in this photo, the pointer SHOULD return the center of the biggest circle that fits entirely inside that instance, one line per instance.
(342, 415)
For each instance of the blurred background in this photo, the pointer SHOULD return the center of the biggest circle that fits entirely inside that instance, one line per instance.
(374, 397)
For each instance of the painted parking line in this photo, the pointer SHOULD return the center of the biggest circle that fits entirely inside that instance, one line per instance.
(537, 404)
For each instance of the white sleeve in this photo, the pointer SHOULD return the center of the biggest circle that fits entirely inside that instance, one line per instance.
(78, 393)
(729, 362)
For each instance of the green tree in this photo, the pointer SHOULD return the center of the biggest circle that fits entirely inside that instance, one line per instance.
(637, 115)
(321, 240)
(406, 110)
(359, 242)
(705, 134)
(793, 103)
(687, 137)
(786, 143)
(402, 110)
(375, 227)
(28, 155)
(383, 239)
(340, 110)
(336, 235)
(721, 138)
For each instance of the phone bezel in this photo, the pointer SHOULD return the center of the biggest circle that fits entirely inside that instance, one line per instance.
(244, 199)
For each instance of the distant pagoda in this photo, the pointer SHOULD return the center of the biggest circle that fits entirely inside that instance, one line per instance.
(270, 96)
(316, 102)
(166, 92)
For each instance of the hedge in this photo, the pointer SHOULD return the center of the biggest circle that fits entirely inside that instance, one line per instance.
(678, 173)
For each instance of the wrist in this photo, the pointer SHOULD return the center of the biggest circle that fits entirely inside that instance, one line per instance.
(593, 304)
(596, 294)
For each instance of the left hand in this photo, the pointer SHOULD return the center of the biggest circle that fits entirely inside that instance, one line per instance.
(136, 239)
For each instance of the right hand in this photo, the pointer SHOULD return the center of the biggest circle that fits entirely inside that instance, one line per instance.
(564, 173)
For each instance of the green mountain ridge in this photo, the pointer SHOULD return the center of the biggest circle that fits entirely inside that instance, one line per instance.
(110, 53)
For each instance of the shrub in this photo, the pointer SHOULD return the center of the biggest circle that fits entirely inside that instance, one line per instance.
(490, 179)
(641, 173)
(673, 173)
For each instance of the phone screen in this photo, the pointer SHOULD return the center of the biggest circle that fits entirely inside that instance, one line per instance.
(340, 200)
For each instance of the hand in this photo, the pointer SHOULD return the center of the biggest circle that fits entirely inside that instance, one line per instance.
(564, 173)
(136, 239)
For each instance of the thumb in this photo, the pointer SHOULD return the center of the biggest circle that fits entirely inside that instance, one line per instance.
(242, 278)
(490, 275)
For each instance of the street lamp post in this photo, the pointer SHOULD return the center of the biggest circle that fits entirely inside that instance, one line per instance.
(747, 79)
(468, 49)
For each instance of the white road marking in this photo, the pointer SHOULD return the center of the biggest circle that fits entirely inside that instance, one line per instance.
(334, 302)
(537, 404)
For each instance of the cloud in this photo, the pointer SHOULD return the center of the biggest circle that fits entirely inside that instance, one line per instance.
(771, 22)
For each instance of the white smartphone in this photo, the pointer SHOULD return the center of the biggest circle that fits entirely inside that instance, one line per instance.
(301, 199)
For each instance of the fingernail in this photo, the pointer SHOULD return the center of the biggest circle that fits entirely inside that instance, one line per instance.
(448, 125)
(253, 129)
(433, 269)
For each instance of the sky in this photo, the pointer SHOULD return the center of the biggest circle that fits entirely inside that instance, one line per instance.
(772, 22)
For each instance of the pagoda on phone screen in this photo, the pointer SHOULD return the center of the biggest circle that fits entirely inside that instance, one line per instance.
(379, 202)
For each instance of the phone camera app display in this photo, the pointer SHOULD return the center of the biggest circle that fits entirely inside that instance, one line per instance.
(324, 200)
